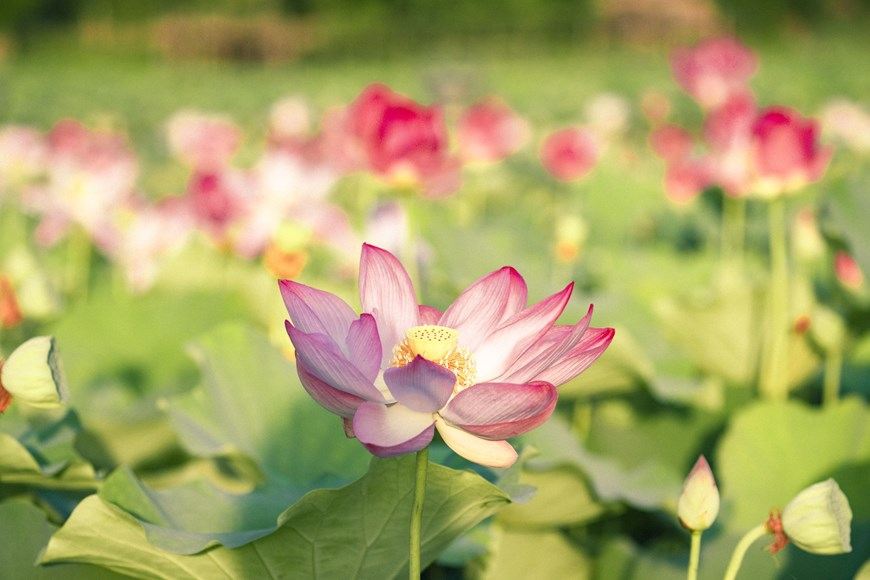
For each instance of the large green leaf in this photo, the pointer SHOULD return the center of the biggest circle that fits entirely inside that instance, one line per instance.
(45, 457)
(518, 554)
(772, 451)
(251, 401)
(359, 531)
(195, 515)
(25, 531)
(845, 218)
(649, 484)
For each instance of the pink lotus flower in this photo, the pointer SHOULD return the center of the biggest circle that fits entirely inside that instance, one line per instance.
(569, 154)
(484, 370)
(785, 151)
(400, 141)
(714, 70)
(490, 131)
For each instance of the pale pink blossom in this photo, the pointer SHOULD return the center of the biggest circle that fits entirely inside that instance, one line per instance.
(490, 131)
(88, 174)
(714, 70)
(143, 235)
(484, 370)
(288, 186)
(848, 123)
(569, 154)
(205, 141)
(23, 154)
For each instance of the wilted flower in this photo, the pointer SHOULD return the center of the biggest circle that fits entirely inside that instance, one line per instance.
(818, 519)
(33, 374)
(569, 154)
(785, 151)
(483, 371)
(400, 141)
(714, 70)
(490, 131)
(698, 505)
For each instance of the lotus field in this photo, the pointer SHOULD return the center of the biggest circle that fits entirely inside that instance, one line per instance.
(430, 322)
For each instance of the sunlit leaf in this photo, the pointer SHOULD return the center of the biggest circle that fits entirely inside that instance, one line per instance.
(25, 531)
(518, 554)
(771, 451)
(359, 531)
(649, 484)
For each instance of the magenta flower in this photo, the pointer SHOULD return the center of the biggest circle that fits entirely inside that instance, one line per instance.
(786, 153)
(484, 370)
(399, 141)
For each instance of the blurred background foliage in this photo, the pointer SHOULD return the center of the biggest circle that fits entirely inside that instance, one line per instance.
(254, 30)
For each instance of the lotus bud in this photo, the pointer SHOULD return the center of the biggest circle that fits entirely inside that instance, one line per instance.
(698, 505)
(33, 374)
(818, 519)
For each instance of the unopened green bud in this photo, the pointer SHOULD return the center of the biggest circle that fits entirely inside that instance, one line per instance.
(698, 505)
(818, 519)
(33, 375)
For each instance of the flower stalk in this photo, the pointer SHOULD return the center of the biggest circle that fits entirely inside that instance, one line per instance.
(417, 511)
(695, 555)
(737, 556)
(774, 368)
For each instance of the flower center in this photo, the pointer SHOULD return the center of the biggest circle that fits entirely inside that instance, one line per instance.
(439, 345)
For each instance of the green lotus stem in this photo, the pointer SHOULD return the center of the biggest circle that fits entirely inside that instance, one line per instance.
(695, 555)
(78, 266)
(774, 368)
(741, 548)
(733, 231)
(833, 373)
(417, 512)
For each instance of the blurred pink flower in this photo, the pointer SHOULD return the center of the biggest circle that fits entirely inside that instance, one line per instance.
(728, 134)
(671, 142)
(847, 270)
(483, 371)
(848, 123)
(143, 235)
(290, 185)
(205, 141)
(88, 174)
(569, 154)
(714, 70)
(785, 152)
(23, 153)
(399, 141)
(218, 199)
(490, 131)
(686, 178)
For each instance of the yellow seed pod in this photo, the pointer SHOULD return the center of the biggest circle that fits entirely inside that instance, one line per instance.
(33, 375)
(431, 342)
